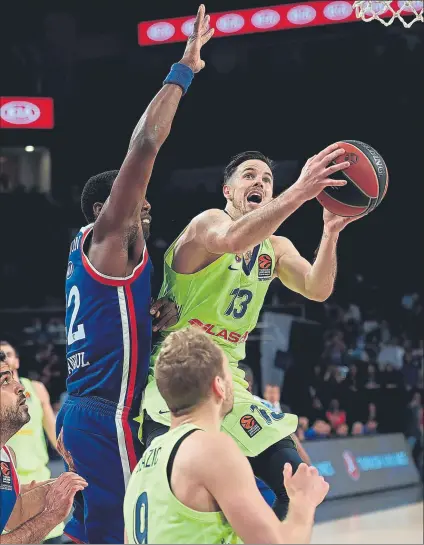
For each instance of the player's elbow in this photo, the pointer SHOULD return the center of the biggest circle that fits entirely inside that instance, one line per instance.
(318, 296)
(223, 244)
(234, 245)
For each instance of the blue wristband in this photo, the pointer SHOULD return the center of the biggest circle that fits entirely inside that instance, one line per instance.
(181, 75)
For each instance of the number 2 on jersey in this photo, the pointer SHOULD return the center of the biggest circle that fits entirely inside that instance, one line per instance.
(245, 296)
(79, 333)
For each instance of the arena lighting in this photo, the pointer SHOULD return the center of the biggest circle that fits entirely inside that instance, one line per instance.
(250, 21)
(29, 149)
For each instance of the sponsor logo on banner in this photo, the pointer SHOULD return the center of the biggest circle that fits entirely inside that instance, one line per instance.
(20, 112)
(351, 465)
(250, 425)
(231, 22)
(26, 113)
(160, 32)
(266, 18)
(187, 27)
(337, 11)
(264, 267)
(301, 15)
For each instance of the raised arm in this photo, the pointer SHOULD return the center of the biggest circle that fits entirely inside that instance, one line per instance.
(227, 474)
(217, 233)
(118, 227)
(315, 282)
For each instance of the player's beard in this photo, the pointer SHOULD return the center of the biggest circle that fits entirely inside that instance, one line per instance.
(146, 231)
(13, 418)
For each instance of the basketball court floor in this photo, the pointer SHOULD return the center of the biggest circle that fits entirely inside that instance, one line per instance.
(395, 516)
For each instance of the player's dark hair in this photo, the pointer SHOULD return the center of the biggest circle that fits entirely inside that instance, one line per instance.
(2, 356)
(241, 158)
(97, 189)
(3, 342)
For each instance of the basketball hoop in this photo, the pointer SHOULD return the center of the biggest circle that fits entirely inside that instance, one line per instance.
(380, 11)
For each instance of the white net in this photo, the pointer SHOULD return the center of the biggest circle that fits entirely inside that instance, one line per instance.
(386, 12)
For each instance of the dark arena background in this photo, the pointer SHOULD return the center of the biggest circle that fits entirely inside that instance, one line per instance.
(351, 367)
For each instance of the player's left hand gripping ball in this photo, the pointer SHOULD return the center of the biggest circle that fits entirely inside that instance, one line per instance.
(201, 35)
(335, 224)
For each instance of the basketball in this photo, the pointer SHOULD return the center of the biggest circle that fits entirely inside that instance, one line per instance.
(367, 179)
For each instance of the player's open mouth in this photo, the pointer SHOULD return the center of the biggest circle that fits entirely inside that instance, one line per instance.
(255, 197)
(146, 220)
(23, 402)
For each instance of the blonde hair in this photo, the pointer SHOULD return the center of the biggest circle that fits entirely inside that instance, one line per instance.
(186, 366)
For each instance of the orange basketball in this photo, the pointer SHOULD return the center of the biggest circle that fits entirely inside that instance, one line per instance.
(367, 179)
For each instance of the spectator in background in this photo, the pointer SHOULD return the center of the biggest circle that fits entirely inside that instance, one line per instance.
(334, 415)
(392, 354)
(317, 410)
(335, 349)
(391, 378)
(342, 430)
(353, 313)
(357, 429)
(272, 394)
(319, 430)
(371, 426)
(411, 370)
(352, 378)
(371, 382)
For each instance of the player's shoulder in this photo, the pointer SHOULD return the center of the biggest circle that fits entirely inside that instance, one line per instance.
(204, 449)
(210, 216)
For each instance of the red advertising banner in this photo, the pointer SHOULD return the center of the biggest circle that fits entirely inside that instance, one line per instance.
(26, 113)
(249, 21)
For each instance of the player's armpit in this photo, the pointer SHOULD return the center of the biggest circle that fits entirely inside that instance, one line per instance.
(227, 474)
(293, 269)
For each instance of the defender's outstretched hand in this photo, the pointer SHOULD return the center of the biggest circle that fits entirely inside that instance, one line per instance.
(201, 35)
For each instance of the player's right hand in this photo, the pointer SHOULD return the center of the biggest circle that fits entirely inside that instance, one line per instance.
(60, 497)
(305, 486)
(201, 34)
(315, 175)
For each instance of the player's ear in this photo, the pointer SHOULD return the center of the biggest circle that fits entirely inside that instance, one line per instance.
(218, 387)
(226, 189)
(97, 206)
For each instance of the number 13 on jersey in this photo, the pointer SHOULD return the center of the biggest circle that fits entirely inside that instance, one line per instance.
(240, 300)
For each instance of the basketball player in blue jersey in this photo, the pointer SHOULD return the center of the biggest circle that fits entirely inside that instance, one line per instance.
(108, 318)
(27, 512)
